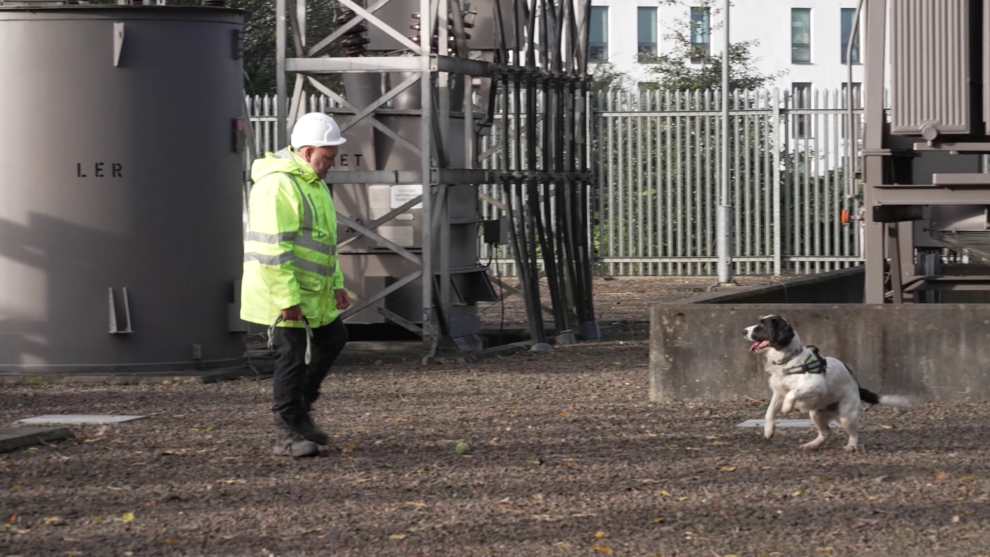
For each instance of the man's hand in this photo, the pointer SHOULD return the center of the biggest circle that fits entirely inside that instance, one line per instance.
(343, 302)
(292, 314)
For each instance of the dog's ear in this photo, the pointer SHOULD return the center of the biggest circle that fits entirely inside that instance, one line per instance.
(781, 333)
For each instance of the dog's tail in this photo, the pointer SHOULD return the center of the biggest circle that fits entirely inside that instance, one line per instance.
(870, 397)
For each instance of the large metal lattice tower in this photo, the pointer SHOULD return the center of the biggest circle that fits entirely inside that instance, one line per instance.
(427, 83)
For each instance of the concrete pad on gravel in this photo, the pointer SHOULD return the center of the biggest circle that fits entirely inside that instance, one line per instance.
(76, 419)
(13, 438)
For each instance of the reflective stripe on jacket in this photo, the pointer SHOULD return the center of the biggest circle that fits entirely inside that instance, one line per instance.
(290, 249)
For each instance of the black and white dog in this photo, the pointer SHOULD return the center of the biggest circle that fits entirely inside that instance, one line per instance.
(802, 379)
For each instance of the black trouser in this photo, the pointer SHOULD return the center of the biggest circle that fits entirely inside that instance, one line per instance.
(296, 385)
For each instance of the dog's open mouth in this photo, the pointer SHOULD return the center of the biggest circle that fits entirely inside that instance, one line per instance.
(759, 345)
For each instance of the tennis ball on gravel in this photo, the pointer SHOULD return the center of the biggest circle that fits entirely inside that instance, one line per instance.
(462, 448)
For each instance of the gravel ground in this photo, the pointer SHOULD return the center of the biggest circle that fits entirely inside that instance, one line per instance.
(568, 458)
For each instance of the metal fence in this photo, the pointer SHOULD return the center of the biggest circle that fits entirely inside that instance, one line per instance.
(656, 158)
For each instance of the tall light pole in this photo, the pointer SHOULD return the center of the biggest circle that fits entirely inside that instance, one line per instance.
(724, 225)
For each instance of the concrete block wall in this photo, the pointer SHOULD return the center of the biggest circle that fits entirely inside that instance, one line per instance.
(934, 351)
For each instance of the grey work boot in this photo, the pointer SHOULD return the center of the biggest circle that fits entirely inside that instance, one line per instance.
(290, 443)
(310, 430)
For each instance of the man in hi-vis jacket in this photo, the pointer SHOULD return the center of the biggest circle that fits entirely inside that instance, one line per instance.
(291, 281)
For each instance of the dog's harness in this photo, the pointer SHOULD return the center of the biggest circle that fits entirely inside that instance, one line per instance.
(814, 364)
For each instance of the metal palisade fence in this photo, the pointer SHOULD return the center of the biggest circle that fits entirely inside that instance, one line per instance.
(656, 157)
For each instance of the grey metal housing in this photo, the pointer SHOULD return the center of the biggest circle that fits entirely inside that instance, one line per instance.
(927, 188)
(121, 175)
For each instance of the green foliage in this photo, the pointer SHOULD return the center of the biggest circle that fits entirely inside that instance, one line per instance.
(676, 72)
(259, 40)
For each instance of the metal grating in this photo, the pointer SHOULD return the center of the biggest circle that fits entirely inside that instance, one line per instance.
(929, 62)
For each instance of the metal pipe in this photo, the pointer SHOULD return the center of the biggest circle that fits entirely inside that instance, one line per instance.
(426, 117)
(281, 86)
(724, 209)
(851, 136)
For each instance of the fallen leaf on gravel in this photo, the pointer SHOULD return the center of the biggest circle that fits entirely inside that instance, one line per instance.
(564, 414)
(728, 468)
(417, 505)
(33, 449)
(658, 520)
(53, 520)
(13, 517)
(349, 449)
(128, 517)
(682, 498)
(226, 537)
(825, 549)
(15, 529)
(601, 535)
(888, 427)
(603, 549)
(538, 496)
(232, 481)
(170, 541)
(941, 477)
(193, 430)
(176, 452)
(98, 518)
(766, 468)
(563, 545)
(691, 449)
(665, 494)
(397, 537)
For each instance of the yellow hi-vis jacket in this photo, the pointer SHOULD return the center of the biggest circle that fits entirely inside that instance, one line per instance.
(290, 249)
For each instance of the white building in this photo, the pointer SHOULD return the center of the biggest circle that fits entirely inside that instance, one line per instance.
(804, 38)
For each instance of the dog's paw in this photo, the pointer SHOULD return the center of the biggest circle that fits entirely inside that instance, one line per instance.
(850, 448)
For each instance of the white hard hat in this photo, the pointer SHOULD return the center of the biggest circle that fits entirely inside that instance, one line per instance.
(316, 130)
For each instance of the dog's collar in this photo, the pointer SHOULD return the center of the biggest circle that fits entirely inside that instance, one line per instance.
(814, 364)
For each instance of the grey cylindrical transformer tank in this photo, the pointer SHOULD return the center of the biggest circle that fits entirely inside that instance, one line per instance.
(121, 177)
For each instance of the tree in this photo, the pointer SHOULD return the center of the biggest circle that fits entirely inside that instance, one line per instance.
(687, 68)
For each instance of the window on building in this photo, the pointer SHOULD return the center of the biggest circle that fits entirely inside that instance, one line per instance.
(801, 35)
(701, 36)
(647, 34)
(857, 91)
(848, 15)
(598, 34)
(801, 99)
